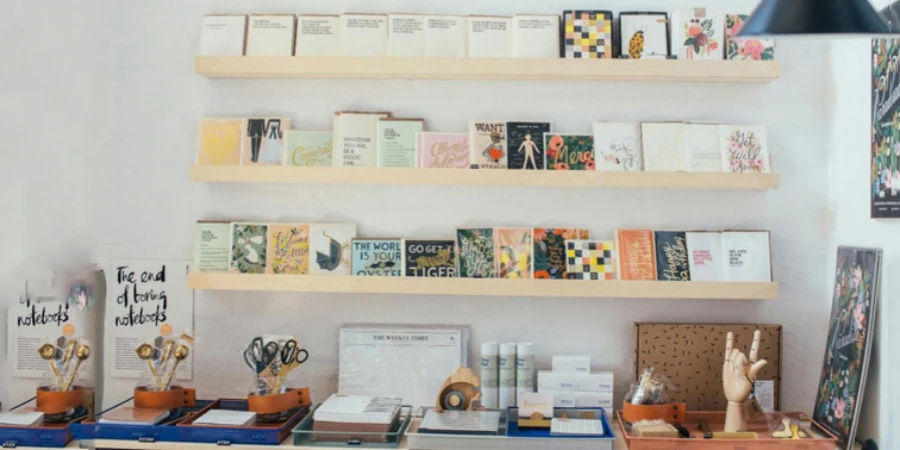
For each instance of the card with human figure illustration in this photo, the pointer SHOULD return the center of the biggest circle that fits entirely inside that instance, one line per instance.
(526, 144)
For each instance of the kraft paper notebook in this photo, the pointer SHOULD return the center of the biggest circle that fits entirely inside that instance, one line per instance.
(636, 254)
(219, 142)
(442, 150)
(318, 35)
(513, 249)
(550, 250)
(288, 250)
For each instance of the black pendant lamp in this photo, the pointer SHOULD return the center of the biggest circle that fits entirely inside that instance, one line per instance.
(814, 17)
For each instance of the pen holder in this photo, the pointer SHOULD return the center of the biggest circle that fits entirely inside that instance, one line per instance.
(669, 412)
(272, 402)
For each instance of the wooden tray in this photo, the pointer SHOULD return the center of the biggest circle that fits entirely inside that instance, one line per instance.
(717, 423)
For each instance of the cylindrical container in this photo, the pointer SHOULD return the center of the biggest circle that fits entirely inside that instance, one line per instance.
(490, 374)
(524, 368)
(507, 374)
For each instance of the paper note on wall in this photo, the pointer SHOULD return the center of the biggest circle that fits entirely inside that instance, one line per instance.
(147, 301)
(42, 315)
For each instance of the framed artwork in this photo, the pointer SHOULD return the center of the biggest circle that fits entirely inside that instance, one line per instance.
(885, 152)
(852, 322)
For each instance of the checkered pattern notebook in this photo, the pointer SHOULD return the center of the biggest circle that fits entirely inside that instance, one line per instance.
(591, 260)
(587, 34)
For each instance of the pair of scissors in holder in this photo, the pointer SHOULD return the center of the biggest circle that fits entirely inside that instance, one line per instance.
(291, 356)
(259, 355)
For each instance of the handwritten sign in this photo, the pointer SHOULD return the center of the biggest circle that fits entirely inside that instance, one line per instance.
(147, 301)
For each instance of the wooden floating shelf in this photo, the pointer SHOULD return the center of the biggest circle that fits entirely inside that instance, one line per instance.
(483, 287)
(464, 177)
(487, 68)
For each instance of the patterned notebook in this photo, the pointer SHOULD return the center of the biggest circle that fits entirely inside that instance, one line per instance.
(248, 247)
(743, 48)
(514, 247)
(587, 34)
(288, 249)
(550, 250)
(476, 253)
(569, 151)
(590, 260)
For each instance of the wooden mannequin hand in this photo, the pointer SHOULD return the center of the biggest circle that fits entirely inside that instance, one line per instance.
(737, 378)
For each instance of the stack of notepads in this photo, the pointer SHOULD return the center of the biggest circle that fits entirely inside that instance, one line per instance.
(695, 33)
(24, 418)
(344, 416)
(378, 139)
(226, 418)
(488, 252)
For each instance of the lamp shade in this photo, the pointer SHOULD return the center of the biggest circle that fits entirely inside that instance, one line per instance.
(812, 17)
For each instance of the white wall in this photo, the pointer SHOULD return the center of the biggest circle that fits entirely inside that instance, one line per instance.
(849, 186)
(114, 82)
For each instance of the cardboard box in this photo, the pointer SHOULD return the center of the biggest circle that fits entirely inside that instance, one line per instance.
(691, 355)
(572, 363)
(594, 382)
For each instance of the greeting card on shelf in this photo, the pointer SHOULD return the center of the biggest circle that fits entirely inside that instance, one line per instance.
(705, 255)
(487, 145)
(249, 245)
(356, 138)
(536, 36)
(550, 250)
(591, 260)
(744, 148)
(663, 146)
(744, 48)
(526, 144)
(430, 259)
(442, 150)
(697, 33)
(377, 257)
(318, 35)
(406, 35)
(645, 35)
(219, 142)
(636, 254)
(212, 246)
(262, 142)
(330, 246)
(308, 148)
(587, 34)
(223, 35)
(271, 35)
(446, 36)
(569, 151)
(672, 256)
(702, 148)
(746, 256)
(475, 253)
(513, 252)
(363, 35)
(397, 141)
(288, 249)
(490, 37)
(617, 146)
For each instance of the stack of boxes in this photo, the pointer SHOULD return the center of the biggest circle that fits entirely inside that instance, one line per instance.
(574, 386)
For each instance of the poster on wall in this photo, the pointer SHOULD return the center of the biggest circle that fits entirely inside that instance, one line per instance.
(885, 151)
(852, 323)
(46, 313)
(147, 301)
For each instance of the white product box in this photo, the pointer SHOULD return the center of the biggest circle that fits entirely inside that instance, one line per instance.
(555, 381)
(594, 382)
(561, 399)
(593, 400)
(572, 363)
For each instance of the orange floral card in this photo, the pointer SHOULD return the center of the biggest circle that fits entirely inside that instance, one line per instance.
(288, 249)
(636, 255)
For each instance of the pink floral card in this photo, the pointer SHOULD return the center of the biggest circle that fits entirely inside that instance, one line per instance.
(742, 48)
(698, 33)
(442, 150)
(744, 148)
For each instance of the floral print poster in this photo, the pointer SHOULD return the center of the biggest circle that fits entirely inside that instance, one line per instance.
(741, 48)
(849, 341)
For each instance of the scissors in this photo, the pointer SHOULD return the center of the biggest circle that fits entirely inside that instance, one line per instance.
(259, 355)
(292, 356)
